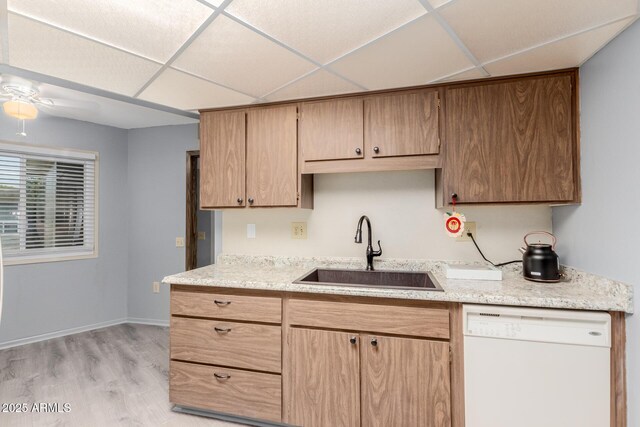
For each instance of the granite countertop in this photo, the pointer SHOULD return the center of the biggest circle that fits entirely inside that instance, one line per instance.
(581, 291)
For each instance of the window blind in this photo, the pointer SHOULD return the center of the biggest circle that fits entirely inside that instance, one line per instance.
(47, 202)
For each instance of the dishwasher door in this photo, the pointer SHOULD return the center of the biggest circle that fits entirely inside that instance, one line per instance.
(526, 367)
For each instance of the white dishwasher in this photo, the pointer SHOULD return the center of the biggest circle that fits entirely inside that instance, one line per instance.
(526, 367)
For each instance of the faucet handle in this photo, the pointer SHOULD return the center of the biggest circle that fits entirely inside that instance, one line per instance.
(379, 251)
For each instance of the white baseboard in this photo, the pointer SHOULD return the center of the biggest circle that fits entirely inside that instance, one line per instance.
(62, 333)
(143, 321)
(71, 331)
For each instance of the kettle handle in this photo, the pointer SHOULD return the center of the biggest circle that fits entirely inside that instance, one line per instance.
(553, 245)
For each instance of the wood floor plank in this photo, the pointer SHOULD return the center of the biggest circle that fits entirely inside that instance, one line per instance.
(116, 376)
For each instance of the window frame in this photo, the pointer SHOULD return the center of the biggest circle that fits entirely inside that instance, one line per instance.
(74, 154)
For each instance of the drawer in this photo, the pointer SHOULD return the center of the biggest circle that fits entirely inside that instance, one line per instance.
(240, 345)
(413, 321)
(223, 306)
(243, 393)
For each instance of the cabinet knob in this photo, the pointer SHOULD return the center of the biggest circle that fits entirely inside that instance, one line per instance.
(376, 150)
(353, 340)
(250, 200)
(358, 151)
(239, 200)
(374, 342)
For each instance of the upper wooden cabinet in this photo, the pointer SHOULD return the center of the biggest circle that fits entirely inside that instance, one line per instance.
(332, 130)
(250, 158)
(222, 159)
(404, 124)
(512, 141)
(272, 156)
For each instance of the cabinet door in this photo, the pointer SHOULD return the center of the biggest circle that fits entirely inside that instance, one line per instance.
(332, 130)
(405, 382)
(324, 380)
(402, 125)
(511, 141)
(272, 155)
(222, 159)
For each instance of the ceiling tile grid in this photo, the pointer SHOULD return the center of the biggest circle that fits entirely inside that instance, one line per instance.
(154, 29)
(38, 47)
(191, 54)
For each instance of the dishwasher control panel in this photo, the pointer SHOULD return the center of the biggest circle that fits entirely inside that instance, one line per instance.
(541, 325)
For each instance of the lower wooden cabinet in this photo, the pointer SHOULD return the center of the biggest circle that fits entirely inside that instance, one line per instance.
(347, 379)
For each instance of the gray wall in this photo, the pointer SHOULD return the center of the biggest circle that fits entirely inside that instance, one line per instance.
(49, 297)
(602, 235)
(157, 197)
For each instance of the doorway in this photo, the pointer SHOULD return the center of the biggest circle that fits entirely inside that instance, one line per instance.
(203, 232)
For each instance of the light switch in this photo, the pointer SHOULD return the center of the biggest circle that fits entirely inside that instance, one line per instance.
(179, 242)
(156, 287)
(202, 235)
(251, 231)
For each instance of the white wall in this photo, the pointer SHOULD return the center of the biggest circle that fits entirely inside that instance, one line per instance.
(401, 208)
(601, 235)
(50, 297)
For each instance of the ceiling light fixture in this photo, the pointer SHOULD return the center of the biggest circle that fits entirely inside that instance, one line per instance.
(20, 109)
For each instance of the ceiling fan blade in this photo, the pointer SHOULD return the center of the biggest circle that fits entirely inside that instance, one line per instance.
(51, 105)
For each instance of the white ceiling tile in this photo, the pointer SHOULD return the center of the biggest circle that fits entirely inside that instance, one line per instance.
(471, 74)
(43, 49)
(232, 55)
(494, 28)
(179, 90)
(318, 83)
(565, 53)
(416, 54)
(328, 29)
(154, 29)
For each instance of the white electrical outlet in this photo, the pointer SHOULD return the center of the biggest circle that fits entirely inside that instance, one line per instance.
(298, 230)
(156, 287)
(202, 235)
(179, 242)
(469, 226)
(251, 231)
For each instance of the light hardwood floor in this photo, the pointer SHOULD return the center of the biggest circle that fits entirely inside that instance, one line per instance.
(116, 376)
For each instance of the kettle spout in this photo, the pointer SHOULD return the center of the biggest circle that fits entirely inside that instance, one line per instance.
(522, 250)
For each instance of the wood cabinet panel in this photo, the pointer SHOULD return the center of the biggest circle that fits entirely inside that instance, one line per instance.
(415, 321)
(272, 156)
(404, 124)
(226, 306)
(324, 379)
(241, 345)
(222, 159)
(331, 130)
(511, 141)
(247, 394)
(405, 382)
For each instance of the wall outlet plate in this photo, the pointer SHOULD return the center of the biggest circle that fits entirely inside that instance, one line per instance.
(156, 287)
(468, 226)
(179, 242)
(298, 230)
(202, 235)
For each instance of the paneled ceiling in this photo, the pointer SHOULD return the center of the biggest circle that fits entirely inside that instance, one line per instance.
(191, 54)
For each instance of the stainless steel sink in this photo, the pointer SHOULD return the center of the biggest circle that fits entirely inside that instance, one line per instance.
(417, 280)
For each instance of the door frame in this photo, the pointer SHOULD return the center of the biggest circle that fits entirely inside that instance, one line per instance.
(191, 233)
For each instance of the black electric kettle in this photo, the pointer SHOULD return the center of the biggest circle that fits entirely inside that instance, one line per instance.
(540, 263)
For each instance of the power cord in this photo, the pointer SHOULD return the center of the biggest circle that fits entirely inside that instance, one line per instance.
(470, 234)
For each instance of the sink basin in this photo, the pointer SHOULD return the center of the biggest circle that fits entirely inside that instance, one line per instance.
(417, 280)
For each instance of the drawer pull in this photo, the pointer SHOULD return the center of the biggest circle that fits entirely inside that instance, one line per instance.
(221, 303)
(221, 376)
(222, 330)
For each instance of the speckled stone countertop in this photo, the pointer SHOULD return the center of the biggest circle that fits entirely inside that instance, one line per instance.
(581, 290)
